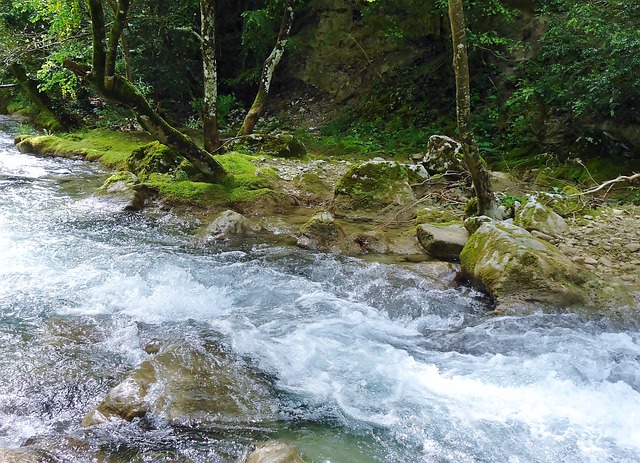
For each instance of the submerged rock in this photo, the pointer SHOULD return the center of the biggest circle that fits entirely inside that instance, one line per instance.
(522, 273)
(374, 189)
(273, 452)
(443, 241)
(26, 455)
(231, 225)
(322, 233)
(187, 386)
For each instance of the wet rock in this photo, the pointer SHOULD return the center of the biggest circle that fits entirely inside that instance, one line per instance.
(372, 241)
(274, 452)
(323, 233)
(185, 385)
(26, 455)
(123, 188)
(444, 155)
(535, 216)
(231, 225)
(374, 189)
(522, 272)
(443, 241)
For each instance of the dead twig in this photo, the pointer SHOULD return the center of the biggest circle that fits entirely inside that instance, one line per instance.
(609, 183)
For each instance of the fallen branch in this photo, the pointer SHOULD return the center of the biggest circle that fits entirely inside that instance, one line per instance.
(622, 178)
(8, 85)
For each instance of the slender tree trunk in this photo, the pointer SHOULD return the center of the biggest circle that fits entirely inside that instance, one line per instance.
(269, 67)
(479, 175)
(120, 90)
(41, 99)
(210, 71)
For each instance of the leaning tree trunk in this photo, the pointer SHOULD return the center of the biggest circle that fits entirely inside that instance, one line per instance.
(120, 90)
(479, 175)
(269, 67)
(210, 72)
(39, 98)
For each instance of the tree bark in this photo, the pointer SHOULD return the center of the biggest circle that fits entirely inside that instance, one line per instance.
(210, 72)
(257, 108)
(480, 176)
(41, 99)
(101, 75)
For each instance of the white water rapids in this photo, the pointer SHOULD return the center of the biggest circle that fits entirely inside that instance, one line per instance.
(370, 362)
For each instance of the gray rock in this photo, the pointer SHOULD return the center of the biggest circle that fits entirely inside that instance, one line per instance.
(523, 273)
(25, 455)
(443, 241)
(632, 247)
(229, 224)
(444, 155)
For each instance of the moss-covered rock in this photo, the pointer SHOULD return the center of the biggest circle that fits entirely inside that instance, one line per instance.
(566, 203)
(322, 233)
(123, 187)
(153, 158)
(524, 273)
(284, 146)
(533, 215)
(444, 156)
(443, 241)
(185, 386)
(433, 215)
(373, 189)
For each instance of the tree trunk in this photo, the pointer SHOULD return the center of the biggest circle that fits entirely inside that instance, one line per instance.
(210, 72)
(479, 175)
(269, 67)
(40, 99)
(120, 90)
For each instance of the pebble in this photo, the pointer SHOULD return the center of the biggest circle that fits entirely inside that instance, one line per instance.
(606, 262)
(590, 261)
(632, 247)
(590, 267)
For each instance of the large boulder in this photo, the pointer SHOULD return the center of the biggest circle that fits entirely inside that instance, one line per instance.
(322, 233)
(444, 156)
(443, 241)
(231, 225)
(25, 455)
(374, 189)
(187, 385)
(534, 215)
(524, 273)
(274, 452)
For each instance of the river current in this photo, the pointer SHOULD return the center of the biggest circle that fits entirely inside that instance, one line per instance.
(368, 362)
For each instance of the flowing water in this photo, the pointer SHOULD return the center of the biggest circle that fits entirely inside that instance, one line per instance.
(366, 362)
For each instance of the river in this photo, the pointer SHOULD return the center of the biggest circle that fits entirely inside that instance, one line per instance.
(366, 362)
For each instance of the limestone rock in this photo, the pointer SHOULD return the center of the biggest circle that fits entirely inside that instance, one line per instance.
(444, 155)
(274, 452)
(322, 233)
(533, 215)
(443, 241)
(522, 272)
(123, 188)
(373, 189)
(229, 225)
(185, 385)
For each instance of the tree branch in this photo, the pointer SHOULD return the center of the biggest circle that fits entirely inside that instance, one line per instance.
(621, 178)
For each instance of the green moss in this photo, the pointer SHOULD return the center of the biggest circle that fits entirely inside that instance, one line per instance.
(370, 184)
(153, 158)
(186, 191)
(109, 147)
(246, 175)
(436, 216)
